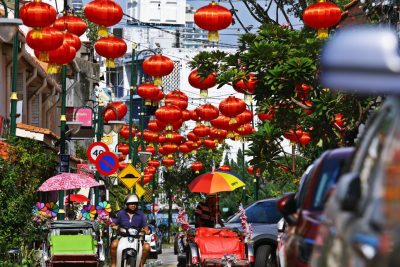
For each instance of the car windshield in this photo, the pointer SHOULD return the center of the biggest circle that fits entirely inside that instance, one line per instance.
(260, 212)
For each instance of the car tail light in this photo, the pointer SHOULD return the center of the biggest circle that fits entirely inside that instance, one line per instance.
(251, 259)
(153, 238)
(306, 246)
(195, 260)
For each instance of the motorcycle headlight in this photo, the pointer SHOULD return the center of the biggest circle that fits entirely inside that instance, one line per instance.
(132, 231)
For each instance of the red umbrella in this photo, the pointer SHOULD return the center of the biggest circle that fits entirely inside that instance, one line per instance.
(66, 181)
(77, 198)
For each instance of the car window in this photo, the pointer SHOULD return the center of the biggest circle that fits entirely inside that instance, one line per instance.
(300, 195)
(331, 169)
(261, 212)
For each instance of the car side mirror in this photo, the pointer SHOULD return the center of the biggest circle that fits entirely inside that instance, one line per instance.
(348, 191)
(287, 207)
(281, 226)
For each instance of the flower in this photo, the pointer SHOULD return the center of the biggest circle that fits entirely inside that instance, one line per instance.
(247, 227)
(182, 219)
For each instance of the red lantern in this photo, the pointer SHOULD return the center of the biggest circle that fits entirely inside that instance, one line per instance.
(51, 39)
(125, 132)
(207, 112)
(169, 149)
(201, 130)
(71, 23)
(150, 170)
(37, 15)
(60, 56)
(232, 107)
(162, 138)
(192, 136)
(153, 126)
(114, 111)
(194, 116)
(245, 129)
(245, 117)
(154, 163)
(73, 40)
(123, 148)
(210, 144)
(185, 115)
(122, 165)
(169, 162)
(213, 18)
(180, 103)
(321, 16)
(197, 166)
(104, 13)
(247, 85)
(150, 136)
(151, 149)
(305, 138)
(158, 66)
(177, 94)
(202, 83)
(147, 178)
(250, 170)
(148, 92)
(110, 47)
(176, 138)
(174, 125)
(224, 168)
(184, 148)
(168, 114)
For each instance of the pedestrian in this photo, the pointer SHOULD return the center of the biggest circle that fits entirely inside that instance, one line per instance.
(207, 213)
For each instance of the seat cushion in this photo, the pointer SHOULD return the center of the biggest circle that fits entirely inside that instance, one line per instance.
(72, 244)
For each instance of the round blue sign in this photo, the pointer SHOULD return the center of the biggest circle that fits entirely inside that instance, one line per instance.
(107, 163)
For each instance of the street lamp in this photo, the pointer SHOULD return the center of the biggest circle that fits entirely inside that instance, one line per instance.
(114, 125)
(73, 127)
(8, 28)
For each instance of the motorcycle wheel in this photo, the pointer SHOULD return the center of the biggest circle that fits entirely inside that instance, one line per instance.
(129, 262)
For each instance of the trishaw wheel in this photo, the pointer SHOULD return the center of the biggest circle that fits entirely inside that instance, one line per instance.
(263, 256)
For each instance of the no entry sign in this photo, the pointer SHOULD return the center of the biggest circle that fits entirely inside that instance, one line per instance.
(107, 163)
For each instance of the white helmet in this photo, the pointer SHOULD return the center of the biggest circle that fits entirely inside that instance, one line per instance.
(133, 198)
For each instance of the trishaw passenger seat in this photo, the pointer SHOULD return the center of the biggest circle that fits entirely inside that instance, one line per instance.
(72, 244)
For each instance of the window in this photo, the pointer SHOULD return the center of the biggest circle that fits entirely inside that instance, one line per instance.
(260, 212)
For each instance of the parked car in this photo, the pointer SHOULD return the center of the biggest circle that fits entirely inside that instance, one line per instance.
(263, 216)
(309, 201)
(361, 225)
(155, 241)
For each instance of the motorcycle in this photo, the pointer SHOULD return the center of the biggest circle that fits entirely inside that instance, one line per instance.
(129, 250)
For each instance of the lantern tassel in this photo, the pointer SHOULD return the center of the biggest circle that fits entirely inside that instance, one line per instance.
(232, 121)
(110, 63)
(44, 56)
(102, 31)
(197, 172)
(147, 102)
(248, 98)
(203, 93)
(213, 36)
(155, 103)
(37, 33)
(323, 33)
(158, 81)
(52, 68)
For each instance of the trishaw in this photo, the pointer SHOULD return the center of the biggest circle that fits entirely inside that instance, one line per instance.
(72, 243)
(217, 247)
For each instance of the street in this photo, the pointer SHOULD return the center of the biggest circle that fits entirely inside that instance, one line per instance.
(167, 258)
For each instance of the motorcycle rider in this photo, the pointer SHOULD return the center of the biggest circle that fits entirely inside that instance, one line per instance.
(130, 217)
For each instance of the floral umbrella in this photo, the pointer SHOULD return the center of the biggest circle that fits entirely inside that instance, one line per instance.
(67, 181)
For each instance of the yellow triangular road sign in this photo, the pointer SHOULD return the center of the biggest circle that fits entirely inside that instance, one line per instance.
(129, 176)
(140, 190)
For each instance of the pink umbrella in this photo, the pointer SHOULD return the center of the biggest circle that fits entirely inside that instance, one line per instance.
(66, 181)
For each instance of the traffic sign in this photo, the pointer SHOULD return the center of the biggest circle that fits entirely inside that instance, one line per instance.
(94, 150)
(140, 191)
(107, 163)
(129, 176)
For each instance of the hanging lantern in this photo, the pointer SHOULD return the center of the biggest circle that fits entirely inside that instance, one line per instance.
(192, 136)
(207, 112)
(185, 115)
(224, 168)
(150, 136)
(197, 166)
(246, 116)
(148, 92)
(231, 107)
(151, 149)
(177, 94)
(194, 116)
(109, 112)
(168, 162)
(153, 126)
(245, 129)
(60, 56)
(158, 66)
(51, 40)
(147, 178)
(246, 86)
(150, 170)
(176, 138)
(125, 132)
(201, 131)
(122, 165)
(169, 149)
(123, 148)
(184, 149)
(305, 138)
(203, 84)
(213, 18)
(104, 13)
(180, 103)
(210, 143)
(168, 115)
(154, 163)
(321, 16)
(73, 40)
(250, 170)
(110, 47)
(71, 23)
(37, 15)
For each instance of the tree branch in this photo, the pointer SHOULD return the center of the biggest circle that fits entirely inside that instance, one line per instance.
(237, 17)
(251, 12)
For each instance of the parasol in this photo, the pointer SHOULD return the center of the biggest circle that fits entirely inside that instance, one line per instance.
(66, 181)
(214, 182)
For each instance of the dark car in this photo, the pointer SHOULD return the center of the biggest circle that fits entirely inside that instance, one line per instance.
(361, 224)
(263, 216)
(309, 203)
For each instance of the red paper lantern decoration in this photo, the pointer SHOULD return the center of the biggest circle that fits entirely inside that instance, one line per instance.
(184, 148)
(247, 85)
(168, 115)
(60, 56)
(110, 47)
(185, 115)
(245, 117)
(250, 170)
(37, 15)
(148, 92)
(51, 39)
(153, 126)
(150, 136)
(113, 109)
(168, 162)
(321, 16)
(158, 66)
(232, 107)
(197, 166)
(224, 168)
(192, 136)
(154, 163)
(169, 149)
(122, 165)
(207, 112)
(150, 170)
(123, 148)
(125, 132)
(180, 103)
(104, 13)
(210, 143)
(151, 149)
(73, 40)
(245, 129)
(177, 94)
(213, 18)
(305, 138)
(201, 131)
(202, 83)
(147, 178)
(71, 23)
(194, 116)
